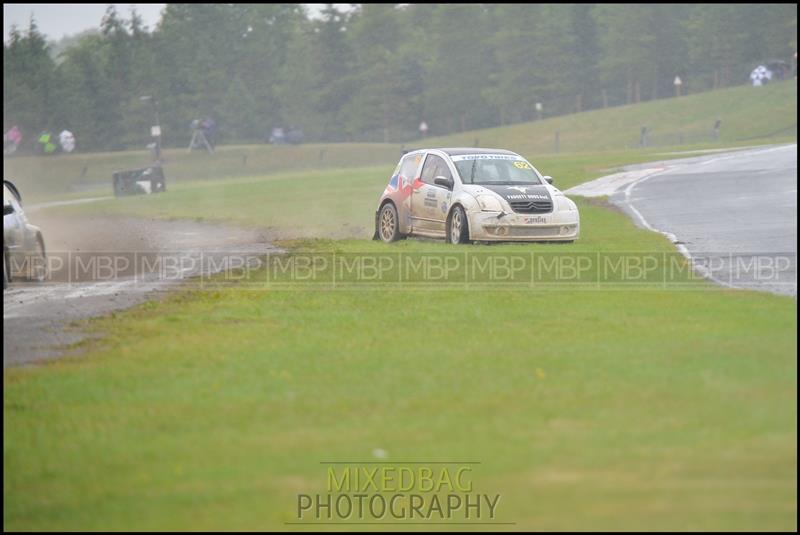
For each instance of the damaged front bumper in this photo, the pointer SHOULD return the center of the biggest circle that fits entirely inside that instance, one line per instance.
(504, 226)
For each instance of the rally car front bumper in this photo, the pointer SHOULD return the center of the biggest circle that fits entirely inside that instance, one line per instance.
(503, 226)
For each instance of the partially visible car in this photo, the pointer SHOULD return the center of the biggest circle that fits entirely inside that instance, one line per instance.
(471, 194)
(23, 244)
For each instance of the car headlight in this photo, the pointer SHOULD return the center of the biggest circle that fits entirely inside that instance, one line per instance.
(565, 204)
(489, 203)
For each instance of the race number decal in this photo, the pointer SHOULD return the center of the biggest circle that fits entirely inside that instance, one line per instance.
(521, 165)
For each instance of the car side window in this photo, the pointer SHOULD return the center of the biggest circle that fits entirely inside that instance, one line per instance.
(408, 168)
(434, 166)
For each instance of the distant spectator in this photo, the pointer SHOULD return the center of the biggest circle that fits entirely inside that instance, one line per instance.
(67, 141)
(203, 135)
(12, 140)
(45, 143)
(209, 128)
(760, 75)
(277, 137)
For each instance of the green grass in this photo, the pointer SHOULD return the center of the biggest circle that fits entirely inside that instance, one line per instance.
(587, 409)
(747, 114)
(43, 178)
(641, 407)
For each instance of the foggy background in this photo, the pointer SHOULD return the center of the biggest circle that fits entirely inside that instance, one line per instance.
(373, 73)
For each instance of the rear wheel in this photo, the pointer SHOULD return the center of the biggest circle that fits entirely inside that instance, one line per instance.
(458, 227)
(388, 224)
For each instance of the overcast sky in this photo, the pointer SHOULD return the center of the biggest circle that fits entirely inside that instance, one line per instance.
(58, 20)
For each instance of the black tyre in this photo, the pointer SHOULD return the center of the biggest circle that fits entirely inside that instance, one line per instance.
(458, 226)
(388, 223)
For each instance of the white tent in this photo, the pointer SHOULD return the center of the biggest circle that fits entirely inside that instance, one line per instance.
(760, 74)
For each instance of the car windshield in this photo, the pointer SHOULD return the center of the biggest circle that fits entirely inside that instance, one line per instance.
(498, 169)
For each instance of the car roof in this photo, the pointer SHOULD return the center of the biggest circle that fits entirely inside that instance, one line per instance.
(460, 151)
(473, 150)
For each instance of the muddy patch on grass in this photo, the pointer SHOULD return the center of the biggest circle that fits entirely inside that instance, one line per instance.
(103, 264)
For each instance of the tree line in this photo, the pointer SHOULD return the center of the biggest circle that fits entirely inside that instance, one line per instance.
(375, 72)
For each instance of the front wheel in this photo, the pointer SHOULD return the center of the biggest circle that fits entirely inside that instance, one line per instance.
(458, 227)
(37, 268)
(6, 271)
(388, 224)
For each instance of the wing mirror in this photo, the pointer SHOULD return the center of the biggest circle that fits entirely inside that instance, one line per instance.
(447, 182)
(548, 179)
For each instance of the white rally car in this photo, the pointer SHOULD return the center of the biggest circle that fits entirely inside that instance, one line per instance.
(23, 243)
(469, 194)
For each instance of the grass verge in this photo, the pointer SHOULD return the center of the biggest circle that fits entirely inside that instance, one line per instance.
(645, 408)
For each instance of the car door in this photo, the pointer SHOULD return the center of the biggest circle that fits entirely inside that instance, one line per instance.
(429, 201)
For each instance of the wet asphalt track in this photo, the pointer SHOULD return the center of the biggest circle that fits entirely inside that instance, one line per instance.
(735, 213)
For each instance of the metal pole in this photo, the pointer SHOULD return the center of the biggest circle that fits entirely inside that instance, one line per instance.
(158, 137)
(154, 102)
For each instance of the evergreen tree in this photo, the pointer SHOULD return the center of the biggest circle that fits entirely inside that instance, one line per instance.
(460, 72)
(720, 38)
(375, 72)
(30, 82)
(628, 46)
(88, 99)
